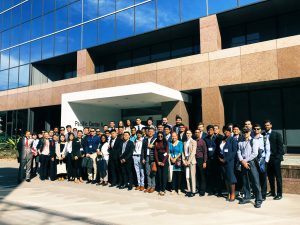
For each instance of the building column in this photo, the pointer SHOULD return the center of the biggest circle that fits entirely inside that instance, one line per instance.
(85, 64)
(212, 106)
(210, 36)
(171, 109)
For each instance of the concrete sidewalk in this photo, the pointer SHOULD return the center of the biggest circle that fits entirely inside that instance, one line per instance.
(57, 202)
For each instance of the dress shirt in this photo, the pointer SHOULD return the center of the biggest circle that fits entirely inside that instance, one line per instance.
(124, 146)
(138, 147)
(263, 147)
(246, 152)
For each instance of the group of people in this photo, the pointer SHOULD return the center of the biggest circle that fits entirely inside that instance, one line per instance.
(166, 157)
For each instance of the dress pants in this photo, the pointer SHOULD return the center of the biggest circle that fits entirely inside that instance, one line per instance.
(76, 166)
(176, 181)
(191, 180)
(52, 169)
(126, 168)
(150, 175)
(90, 170)
(25, 162)
(34, 165)
(201, 178)
(69, 165)
(115, 171)
(274, 171)
(263, 181)
(45, 160)
(162, 177)
(211, 175)
(251, 175)
(139, 169)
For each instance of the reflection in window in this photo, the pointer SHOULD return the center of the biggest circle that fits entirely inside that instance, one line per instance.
(74, 40)
(36, 27)
(167, 13)
(125, 23)
(14, 57)
(36, 8)
(49, 6)
(47, 47)
(106, 6)
(215, 6)
(13, 78)
(261, 31)
(15, 36)
(36, 51)
(16, 18)
(123, 60)
(160, 52)
(145, 18)
(288, 24)
(48, 22)
(246, 2)
(192, 9)
(24, 76)
(4, 80)
(233, 36)
(106, 29)
(26, 11)
(141, 56)
(24, 54)
(60, 43)
(121, 4)
(61, 3)
(4, 60)
(90, 34)
(90, 9)
(6, 20)
(75, 13)
(61, 18)
(25, 32)
(5, 39)
(182, 47)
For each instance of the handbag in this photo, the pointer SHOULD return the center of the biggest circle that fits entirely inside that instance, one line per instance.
(153, 167)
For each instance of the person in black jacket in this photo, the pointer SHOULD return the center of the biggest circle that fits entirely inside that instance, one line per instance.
(114, 166)
(274, 165)
(126, 161)
(53, 144)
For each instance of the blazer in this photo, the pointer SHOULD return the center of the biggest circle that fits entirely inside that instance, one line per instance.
(276, 144)
(127, 154)
(21, 147)
(151, 152)
(230, 150)
(183, 139)
(114, 152)
(144, 148)
(192, 149)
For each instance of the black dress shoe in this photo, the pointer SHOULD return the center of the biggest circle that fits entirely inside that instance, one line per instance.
(270, 194)
(191, 195)
(244, 201)
(187, 194)
(201, 194)
(112, 185)
(257, 205)
(98, 184)
(129, 187)
(122, 187)
(94, 182)
(27, 180)
(277, 197)
(264, 198)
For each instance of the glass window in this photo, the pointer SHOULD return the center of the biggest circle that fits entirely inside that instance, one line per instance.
(106, 6)
(167, 13)
(90, 9)
(14, 57)
(61, 3)
(141, 56)
(1, 23)
(289, 24)
(36, 51)
(36, 8)
(5, 39)
(48, 23)
(75, 13)
(48, 47)
(4, 80)
(215, 6)
(233, 36)
(49, 6)
(106, 29)
(90, 34)
(182, 47)
(145, 19)
(4, 60)
(24, 54)
(24, 76)
(160, 52)
(261, 31)
(123, 60)
(26, 11)
(15, 36)
(192, 9)
(6, 18)
(246, 2)
(125, 23)
(13, 78)
(74, 40)
(61, 43)
(16, 18)
(61, 18)
(36, 27)
(25, 32)
(121, 4)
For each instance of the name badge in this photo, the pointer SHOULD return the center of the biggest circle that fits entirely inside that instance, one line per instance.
(226, 150)
(210, 149)
(81, 149)
(165, 154)
(90, 146)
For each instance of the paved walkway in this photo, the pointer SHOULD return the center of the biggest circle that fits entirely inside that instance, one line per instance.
(69, 203)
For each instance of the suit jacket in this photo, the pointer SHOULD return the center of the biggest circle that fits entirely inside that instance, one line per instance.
(144, 149)
(114, 152)
(276, 144)
(151, 153)
(192, 150)
(229, 150)
(127, 154)
(183, 138)
(21, 147)
(52, 148)
(76, 145)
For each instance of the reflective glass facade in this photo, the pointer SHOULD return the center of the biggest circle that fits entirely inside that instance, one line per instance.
(34, 30)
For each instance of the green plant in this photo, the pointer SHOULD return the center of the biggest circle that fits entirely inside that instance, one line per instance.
(12, 143)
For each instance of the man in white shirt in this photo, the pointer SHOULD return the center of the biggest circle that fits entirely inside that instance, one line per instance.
(139, 124)
(140, 146)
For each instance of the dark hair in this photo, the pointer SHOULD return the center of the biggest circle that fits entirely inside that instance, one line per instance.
(163, 139)
(113, 130)
(126, 132)
(226, 128)
(79, 131)
(201, 123)
(71, 134)
(62, 128)
(105, 125)
(178, 117)
(247, 121)
(235, 126)
(267, 121)
(257, 125)
(86, 128)
(209, 127)
(139, 132)
(68, 126)
(107, 131)
(103, 135)
(168, 127)
(120, 127)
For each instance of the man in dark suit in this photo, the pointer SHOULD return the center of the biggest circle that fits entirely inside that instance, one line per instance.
(126, 161)
(182, 133)
(274, 165)
(114, 162)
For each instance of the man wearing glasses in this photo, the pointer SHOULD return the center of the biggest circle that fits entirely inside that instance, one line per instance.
(262, 158)
(92, 144)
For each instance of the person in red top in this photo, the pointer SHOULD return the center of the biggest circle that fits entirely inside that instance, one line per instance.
(161, 151)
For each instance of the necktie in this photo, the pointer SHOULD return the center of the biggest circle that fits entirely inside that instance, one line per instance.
(26, 144)
(138, 127)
